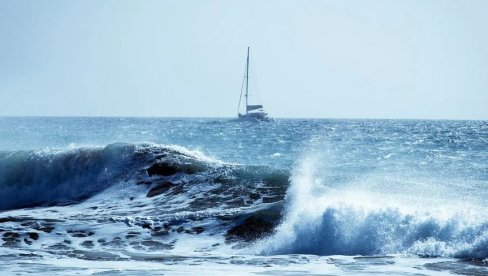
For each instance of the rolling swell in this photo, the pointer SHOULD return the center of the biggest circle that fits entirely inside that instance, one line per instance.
(68, 176)
(48, 177)
(164, 192)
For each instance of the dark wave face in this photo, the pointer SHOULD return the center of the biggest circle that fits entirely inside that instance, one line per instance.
(50, 177)
(173, 186)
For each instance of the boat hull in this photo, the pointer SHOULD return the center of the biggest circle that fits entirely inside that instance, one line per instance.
(255, 116)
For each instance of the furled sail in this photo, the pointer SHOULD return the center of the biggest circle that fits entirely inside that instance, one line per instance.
(253, 107)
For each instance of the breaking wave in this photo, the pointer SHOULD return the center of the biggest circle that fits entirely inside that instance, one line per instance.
(59, 176)
(62, 176)
(276, 211)
(66, 176)
(322, 220)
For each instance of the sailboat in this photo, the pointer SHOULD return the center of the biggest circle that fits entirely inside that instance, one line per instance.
(254, 112)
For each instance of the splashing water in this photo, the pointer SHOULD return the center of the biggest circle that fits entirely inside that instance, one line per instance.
(357, 220)
(333, 196)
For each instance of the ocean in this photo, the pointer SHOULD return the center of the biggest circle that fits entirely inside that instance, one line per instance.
(154, 196)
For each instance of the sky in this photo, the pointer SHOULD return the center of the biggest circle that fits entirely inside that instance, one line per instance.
(411, 59)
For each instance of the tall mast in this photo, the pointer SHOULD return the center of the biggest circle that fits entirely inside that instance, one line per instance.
(247, 77)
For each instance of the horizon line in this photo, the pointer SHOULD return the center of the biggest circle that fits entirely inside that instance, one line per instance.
(210, 117)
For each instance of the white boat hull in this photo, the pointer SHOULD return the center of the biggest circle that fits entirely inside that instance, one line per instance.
(255, 116)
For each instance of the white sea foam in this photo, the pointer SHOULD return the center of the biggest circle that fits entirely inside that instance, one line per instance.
(64, 175)
(394, 188)
(356, 221)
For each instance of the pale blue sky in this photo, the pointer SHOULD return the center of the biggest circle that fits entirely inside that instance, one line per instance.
(327, 59)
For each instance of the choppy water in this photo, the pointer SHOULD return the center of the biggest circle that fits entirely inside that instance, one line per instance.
(149, 195)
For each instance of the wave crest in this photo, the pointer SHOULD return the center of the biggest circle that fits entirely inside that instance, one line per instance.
(63, 176)
(325, 221)
(59, 176)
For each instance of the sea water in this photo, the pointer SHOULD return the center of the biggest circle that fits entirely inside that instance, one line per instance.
(125, 196)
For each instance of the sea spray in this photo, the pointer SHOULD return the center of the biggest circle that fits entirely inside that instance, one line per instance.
(390, 190)
(343, 220)
(300, 209)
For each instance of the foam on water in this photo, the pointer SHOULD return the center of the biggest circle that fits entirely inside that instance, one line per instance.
(352, 220)
(68, 175)
(369, 197)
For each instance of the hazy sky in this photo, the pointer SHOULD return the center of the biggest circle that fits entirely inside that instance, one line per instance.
(328, 59)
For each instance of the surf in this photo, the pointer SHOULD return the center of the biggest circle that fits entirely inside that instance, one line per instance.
(323, 219)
